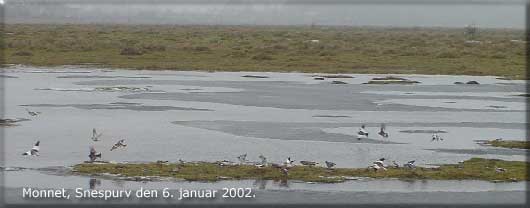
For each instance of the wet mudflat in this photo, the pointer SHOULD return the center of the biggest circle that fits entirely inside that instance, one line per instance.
(200, 116)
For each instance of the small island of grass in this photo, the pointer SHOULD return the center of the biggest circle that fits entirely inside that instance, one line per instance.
(509, 144)
(472, 169)
(391, 80)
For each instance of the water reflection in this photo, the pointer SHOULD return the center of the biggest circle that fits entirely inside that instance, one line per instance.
(284, 183)
(260, 183)
(93, 182)
(118, 183)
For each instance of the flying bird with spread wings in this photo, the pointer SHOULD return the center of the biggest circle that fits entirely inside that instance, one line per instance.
(118, 145)
(93, 154)
(95, 135)
(242, 158)
(34, 150)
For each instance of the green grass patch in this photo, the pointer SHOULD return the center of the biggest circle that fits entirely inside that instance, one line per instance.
(510, 144)
(473, 169)
(270, 48)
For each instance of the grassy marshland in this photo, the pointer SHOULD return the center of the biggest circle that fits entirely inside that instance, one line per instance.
(509, 144)
(473, 169)
(498, 52)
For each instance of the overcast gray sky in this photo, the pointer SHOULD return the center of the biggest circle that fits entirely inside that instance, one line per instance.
(409, 13)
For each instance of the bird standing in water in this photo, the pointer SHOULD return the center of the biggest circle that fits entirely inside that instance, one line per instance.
(362, 133)
(382, 131)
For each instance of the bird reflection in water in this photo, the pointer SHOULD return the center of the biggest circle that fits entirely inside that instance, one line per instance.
(92, 183)
(260, 183)
(284, 183)
(118, 183)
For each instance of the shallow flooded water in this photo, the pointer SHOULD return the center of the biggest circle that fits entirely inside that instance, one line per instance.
(203, 116)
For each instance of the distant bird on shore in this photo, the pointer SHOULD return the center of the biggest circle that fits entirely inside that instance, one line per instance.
(308, 163)
(34, 150)
(460, 165)
(362, 133)
(329, 164)
(225, 163)
(242, 158)
(263, 161)
(500, 170)
(95, 135)
(382, 131)
(118, 144)
(33, 113)
(379, 165)
(410, 164)
(395, 164)
(93, 154)
(289, 161)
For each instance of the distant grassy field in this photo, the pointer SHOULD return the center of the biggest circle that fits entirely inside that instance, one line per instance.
(247, 48)
(472, 169)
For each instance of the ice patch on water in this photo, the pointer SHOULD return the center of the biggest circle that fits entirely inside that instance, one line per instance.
(66, 89)
(100, 89)
(100, 77)
(57, 71)
(423, 131)
(456, 94)
(12, 168)
(460, 104)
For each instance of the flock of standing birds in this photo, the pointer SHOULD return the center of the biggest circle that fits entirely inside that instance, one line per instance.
(93, 154)
(361, 134)
(284, 168)
(289, 163)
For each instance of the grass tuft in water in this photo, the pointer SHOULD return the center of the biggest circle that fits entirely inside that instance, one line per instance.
(509, 144)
